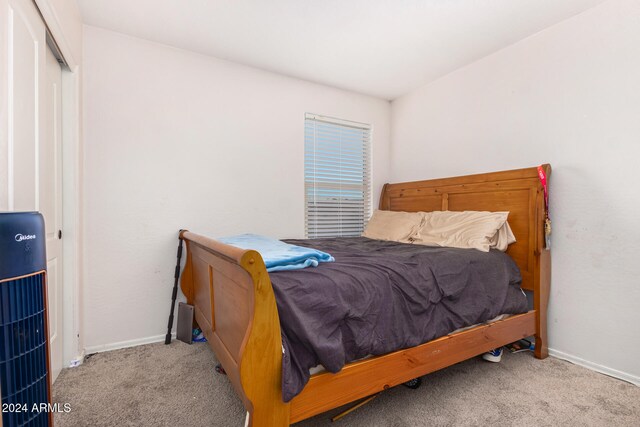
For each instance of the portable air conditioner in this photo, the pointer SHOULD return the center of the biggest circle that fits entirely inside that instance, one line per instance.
(24, 337)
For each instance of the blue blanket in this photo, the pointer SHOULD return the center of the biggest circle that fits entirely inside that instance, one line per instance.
(277, 255)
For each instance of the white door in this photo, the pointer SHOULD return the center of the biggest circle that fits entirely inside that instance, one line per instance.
(50, 193)
(26, 61)
(34, 145)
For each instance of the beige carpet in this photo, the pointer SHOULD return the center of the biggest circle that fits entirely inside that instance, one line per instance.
(176, 385)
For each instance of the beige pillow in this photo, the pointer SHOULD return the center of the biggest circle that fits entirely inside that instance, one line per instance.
(468, 229)
(395, 226)
(503, 238)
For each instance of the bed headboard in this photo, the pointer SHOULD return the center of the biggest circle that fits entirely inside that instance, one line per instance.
(517, 191)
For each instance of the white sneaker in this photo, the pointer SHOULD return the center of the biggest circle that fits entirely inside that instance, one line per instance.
(494, 355)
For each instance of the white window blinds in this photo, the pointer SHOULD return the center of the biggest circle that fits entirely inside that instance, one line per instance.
(337, 176)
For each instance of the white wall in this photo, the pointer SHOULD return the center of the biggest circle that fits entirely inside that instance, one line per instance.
(570, 96)
(180, 140)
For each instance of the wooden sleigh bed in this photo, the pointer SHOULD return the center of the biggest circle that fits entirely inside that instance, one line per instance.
(236, 309)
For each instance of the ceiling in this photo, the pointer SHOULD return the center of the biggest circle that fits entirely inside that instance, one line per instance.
(383, 48)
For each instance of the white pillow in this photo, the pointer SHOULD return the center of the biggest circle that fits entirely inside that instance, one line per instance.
(395, 226)
(468, 229)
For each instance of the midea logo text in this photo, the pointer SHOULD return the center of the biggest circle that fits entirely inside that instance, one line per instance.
(21, 237)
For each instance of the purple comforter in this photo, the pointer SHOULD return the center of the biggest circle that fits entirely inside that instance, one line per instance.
(378, 297)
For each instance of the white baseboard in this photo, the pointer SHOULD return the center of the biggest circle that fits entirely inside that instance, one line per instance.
(126, 344)
(633, 379)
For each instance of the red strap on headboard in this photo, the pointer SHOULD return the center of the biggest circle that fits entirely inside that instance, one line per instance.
(547, 222)
(543, 180)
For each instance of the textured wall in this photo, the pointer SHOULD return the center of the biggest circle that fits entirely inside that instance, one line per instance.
(570, 96)
(177, 140)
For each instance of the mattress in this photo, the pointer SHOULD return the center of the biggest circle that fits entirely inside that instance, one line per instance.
(380, 296)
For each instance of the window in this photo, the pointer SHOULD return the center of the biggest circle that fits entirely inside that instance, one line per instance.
(337, 176)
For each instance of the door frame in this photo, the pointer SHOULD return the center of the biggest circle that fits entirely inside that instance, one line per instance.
(72, 154)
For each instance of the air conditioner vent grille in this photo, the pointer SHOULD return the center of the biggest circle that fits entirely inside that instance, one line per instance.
(23, 350)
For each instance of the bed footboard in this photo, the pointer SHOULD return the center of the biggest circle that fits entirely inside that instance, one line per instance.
(235, 307)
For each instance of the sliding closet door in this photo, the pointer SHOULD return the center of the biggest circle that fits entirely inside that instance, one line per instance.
(26, 69)
(34, 144)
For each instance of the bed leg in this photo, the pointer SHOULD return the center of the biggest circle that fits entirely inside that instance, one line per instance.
(541, 350)
(541, 301)
(268, 416)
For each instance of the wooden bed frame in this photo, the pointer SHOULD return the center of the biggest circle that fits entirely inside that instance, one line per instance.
(236, 308)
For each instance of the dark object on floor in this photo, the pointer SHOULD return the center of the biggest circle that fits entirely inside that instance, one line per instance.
(220, 369)
(176, 276)
(520, 345)
(198, 335)
(414, 383)
(185, 322)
